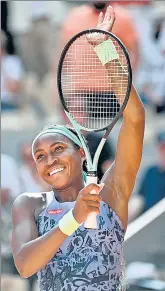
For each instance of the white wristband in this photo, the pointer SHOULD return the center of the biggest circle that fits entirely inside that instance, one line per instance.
(68, 223)
(106, 51)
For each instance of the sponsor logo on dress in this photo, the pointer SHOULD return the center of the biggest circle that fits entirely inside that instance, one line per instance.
(55, 211)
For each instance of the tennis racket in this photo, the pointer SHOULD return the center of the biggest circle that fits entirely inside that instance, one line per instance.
(94, 83)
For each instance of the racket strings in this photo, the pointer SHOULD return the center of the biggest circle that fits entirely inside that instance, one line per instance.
(93, 93)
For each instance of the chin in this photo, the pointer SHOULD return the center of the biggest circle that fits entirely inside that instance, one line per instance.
(60, 183)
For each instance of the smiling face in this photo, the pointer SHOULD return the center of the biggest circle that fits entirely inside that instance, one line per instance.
(58, 161)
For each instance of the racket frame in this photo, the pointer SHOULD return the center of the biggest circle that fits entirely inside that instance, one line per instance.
(64, 52)
(92, 165)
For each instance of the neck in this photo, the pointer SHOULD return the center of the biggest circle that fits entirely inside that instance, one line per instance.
(68, 194)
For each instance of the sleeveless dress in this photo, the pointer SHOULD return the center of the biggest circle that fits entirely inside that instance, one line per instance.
(88, 260)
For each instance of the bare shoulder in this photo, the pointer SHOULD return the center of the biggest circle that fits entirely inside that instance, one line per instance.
(25, 199)
(24, 227)
(28, 203)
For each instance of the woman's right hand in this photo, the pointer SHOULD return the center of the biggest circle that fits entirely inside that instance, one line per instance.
(87, 203)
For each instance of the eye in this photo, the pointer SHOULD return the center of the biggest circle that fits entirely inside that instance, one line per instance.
(40, 157)
(58, 149)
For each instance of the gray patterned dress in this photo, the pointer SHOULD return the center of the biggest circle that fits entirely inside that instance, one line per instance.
(88, 260)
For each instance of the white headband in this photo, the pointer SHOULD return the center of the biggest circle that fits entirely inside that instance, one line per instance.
(58, 129)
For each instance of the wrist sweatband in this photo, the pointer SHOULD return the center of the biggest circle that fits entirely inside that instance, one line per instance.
(68, 223)
(106, 51)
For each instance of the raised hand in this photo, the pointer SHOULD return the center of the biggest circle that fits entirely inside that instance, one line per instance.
(105, 22)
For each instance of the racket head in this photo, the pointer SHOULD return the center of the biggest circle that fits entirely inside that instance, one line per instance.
(65, 70)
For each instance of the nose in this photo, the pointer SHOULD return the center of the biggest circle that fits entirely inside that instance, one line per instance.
(51, 160)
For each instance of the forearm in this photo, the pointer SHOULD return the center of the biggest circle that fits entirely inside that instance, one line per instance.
(134, 110)
(35, 254)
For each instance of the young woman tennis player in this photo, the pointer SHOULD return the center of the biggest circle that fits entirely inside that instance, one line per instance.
(49, 236)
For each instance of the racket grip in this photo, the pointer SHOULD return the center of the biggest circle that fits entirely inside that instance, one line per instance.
(91, 221)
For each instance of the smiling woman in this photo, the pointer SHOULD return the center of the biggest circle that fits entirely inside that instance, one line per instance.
(59, 156)
(49, 234)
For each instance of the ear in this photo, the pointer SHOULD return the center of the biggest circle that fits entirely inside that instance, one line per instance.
(82, 154)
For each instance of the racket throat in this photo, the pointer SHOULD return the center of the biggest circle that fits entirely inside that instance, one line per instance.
(91, 177)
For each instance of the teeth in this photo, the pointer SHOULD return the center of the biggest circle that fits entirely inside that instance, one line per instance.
(56, 171)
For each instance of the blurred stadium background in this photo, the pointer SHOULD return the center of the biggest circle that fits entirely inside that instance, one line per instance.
(34, 33)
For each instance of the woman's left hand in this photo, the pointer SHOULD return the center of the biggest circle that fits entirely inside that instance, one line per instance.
(105, 22)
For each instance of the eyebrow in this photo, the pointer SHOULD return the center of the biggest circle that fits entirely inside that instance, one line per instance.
(53, 144)
(40, 150)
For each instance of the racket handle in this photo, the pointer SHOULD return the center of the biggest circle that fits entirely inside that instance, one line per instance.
(91, 221)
